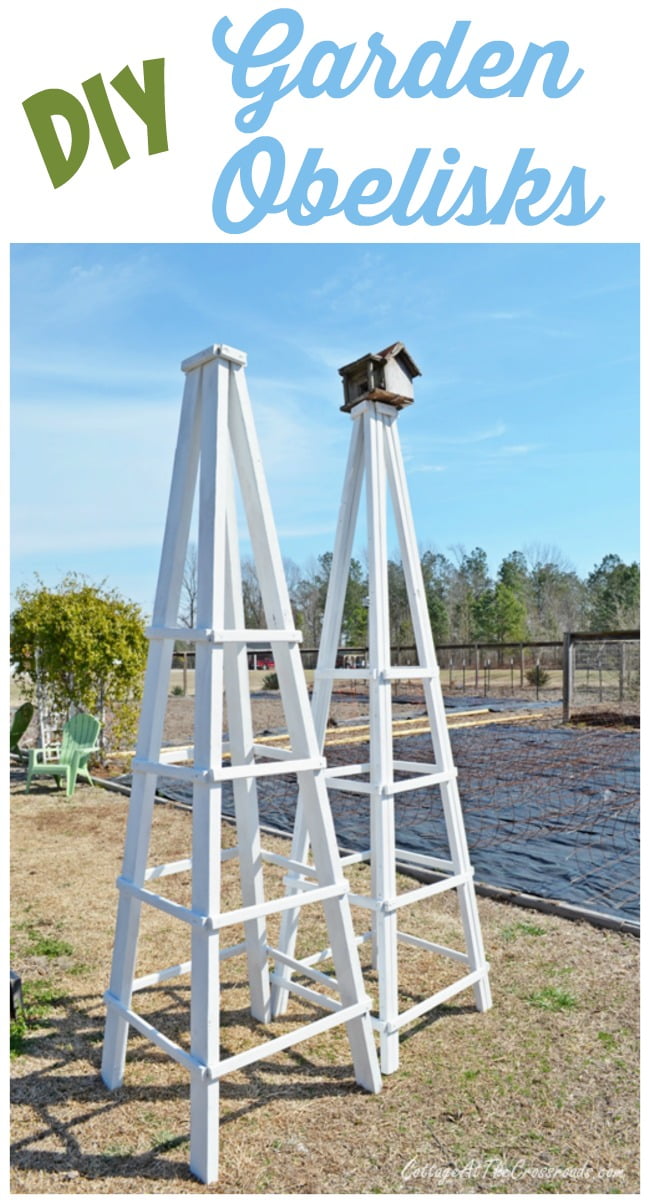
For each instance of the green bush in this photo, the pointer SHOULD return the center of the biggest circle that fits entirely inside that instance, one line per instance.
(537, 676)
(270, 682)
(81, 647)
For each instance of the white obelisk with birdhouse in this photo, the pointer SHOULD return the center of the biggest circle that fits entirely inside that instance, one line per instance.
(376, 388)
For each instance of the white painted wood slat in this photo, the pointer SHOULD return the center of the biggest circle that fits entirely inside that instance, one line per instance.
(375, 455)
(217, 444)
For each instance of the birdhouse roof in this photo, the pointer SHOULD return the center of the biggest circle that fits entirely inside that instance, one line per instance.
(398, 351)
(394, 351)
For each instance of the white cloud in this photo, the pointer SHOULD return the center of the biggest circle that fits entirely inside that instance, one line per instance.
(60, 291)
(519, 449)
(480, 436)
(505, 315)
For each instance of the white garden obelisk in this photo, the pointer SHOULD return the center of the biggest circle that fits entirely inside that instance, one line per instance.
(376, 388)
(217, 433)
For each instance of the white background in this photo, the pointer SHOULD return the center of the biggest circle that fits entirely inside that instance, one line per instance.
(168, 197)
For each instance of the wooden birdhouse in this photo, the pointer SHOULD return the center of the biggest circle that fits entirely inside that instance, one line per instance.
(386, 376)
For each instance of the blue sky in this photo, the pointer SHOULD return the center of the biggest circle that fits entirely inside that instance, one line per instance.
(523, 435)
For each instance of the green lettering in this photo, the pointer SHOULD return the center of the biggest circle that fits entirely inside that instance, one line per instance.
(100, 107)
(40, 109)
(147, 102)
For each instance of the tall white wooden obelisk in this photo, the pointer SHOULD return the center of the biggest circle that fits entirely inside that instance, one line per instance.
(217, 433)
(376, 389)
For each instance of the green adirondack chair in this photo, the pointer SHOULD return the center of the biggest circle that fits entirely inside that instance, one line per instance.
(19, 725)
(80, 737)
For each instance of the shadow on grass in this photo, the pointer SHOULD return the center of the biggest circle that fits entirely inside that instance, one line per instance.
(73, 1111)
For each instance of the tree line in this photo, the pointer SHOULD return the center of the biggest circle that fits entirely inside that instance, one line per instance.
(534, 595)
(83, 646)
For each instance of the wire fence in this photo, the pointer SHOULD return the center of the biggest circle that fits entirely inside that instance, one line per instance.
(525, 670)
(603, 668)
(601, 673)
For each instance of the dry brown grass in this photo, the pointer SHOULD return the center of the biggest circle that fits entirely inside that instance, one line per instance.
(523, 1090)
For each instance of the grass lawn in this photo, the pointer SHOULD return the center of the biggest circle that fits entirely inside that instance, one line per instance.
(540, 1094)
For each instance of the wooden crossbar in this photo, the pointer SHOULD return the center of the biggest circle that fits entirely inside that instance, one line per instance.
(157, 976)
(306, 993)
(172, 867)
(242, 914)
(340, 1015)
(425, 892)
(349, 785)
(425, 860)
(353, 858)
(344, 771)
(177, 910)
(183, 752)
(325, 955)
(418, 767)
(179, 773)
(366, 901)
(409, 673)
(295, 964)
(142, 1026)
(274, 753)
(226, 773)
(266, 1049)
(287, 863)
(418, 942)
(231, 635)
(434, 1001)
(335, 674)
(211, 924)
(423, 781)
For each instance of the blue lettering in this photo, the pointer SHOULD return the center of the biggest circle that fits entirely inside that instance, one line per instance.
(439, 83)
(368, 188)
(538, 178)
(578, 213)
(399, 210)
(240, 167)
(324, 67)
(333, 83)
(387, 64)
(480, 67)
(559, 52)
(574, 188)
(301, 209)
(252, 117)
(313, 195)
(475, 183)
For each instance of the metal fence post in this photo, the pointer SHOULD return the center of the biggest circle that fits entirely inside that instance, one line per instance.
(567, 678)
